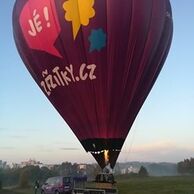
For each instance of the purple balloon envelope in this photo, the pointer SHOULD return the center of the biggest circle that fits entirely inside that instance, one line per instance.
(96, 61)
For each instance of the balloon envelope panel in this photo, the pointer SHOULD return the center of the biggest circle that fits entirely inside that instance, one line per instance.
(96, 61)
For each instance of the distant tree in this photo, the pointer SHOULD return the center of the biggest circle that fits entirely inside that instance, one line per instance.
(65, 169)
(186, 166)
(143, 172)
(96, 170)
(34, 173)
(46, 173)
(74, 169)
(24, 179)
(117, 169)
(90, 171)
(1, 178)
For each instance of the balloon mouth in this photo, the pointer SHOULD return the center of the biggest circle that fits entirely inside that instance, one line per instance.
(105, 151)
(104, 157)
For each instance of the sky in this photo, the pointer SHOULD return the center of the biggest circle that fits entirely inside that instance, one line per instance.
(162, 132)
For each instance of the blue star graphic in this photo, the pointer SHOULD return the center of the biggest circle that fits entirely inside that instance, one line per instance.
(97, 39)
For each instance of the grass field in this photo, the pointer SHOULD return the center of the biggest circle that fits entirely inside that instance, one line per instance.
(17, 191)
(150, 185)
(157, 185)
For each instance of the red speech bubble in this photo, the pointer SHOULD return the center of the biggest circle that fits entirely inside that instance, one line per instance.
(40, 25)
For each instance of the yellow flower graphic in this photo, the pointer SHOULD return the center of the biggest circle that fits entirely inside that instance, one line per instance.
(78, 12)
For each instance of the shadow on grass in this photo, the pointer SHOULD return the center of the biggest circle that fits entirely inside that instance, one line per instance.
(16, 190)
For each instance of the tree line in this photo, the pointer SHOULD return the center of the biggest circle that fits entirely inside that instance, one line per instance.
(186, 166)
(27, 175)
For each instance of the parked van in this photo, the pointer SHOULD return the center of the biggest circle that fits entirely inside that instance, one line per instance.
(57, 185)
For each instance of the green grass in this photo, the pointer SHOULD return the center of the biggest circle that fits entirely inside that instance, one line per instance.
(17, 191)
(136, 185)
(157, 185)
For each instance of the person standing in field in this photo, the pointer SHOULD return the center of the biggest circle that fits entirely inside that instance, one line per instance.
(36, 186)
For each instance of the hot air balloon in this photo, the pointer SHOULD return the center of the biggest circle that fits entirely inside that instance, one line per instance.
(96, 61)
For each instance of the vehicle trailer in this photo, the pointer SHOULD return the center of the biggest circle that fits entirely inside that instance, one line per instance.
(95, 191)
(88, 191)
(103, 184)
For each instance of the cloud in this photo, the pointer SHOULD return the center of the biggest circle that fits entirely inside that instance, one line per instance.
(2, 129)
(7, 147)
(44, 148)
(155, 146)
(18, 136)
(69, 149)
(161, 151)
